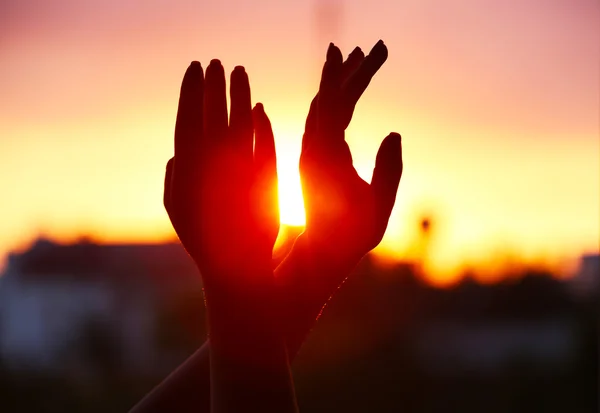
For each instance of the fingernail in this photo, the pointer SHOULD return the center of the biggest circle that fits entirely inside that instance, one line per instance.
(215, 62)
(239, 69)
(259, 107)
(195, 63)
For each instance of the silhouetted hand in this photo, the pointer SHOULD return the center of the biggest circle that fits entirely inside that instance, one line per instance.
(220, 193)
(221, 196)
(345, 216)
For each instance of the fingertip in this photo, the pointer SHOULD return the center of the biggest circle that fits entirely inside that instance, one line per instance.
(355, 58)
(379, 51)
(215, 69)
(193, 71)
(260, 117)
(239, 75)
(259, 108)
(391, 149)
(395, 137)
(337, 56)
(239, 71)
(379, 46)
(357, 51)
(330, 51)
(384, 52)
(334, 54)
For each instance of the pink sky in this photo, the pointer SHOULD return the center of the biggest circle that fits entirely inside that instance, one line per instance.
(498, 104)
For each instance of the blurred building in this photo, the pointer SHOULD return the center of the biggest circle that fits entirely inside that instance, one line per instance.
(76, 309)
(454, 346)
(389, 342)
(586, 282)
(114, 314)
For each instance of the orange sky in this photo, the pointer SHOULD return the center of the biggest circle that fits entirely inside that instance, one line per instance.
(498, 104)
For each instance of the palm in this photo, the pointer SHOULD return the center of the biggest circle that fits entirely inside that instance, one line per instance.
(220, 193)
(345, 215)
(340, 207)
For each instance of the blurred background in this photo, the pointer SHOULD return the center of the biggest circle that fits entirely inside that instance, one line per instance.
(483, 295)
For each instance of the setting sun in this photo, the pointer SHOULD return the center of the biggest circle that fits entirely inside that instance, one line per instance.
(291, 206)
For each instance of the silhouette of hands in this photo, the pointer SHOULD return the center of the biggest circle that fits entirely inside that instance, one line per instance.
(220, 193)
(345, 216)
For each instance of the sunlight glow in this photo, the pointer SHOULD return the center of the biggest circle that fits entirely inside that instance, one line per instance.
(502, 159)
(291, 205)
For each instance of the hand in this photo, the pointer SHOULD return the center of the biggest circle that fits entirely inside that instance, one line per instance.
(220, 194)
(221, 197)
(345, 216)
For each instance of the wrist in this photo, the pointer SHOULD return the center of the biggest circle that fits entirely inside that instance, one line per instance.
(241, 301)
(233, 293)
(244, 328)
(322, 266)
(306, 279)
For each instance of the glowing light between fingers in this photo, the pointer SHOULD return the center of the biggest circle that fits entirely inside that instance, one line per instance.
(291, 205)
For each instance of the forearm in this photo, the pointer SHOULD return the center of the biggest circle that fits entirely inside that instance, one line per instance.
(187, 389)
(261, 383)
(249, 367)
(307, 279)
(304, 284)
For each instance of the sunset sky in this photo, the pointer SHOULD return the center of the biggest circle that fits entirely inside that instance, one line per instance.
(498, 104)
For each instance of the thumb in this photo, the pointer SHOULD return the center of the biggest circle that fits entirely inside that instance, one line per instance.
(386, 176)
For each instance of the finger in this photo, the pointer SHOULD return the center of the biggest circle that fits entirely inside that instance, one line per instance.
(265, 161)
(329, 95)
(215, 102)
(188, 127)
(264, 152)
(241, 112)
(167, 190)
(355, 58)
(360, 79)
(357, 83)
(349, 66)
(386, 176)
